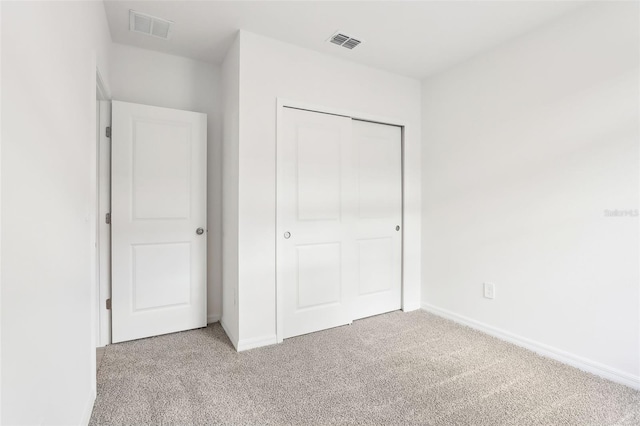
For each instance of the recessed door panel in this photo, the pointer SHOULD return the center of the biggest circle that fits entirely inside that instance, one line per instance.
(161, 275)
(378, 175)
(319, 275)
(158, 201)
(161, 158)
(318, 167)
(375, 266)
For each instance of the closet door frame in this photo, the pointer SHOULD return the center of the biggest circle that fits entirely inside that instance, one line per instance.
(282, 103)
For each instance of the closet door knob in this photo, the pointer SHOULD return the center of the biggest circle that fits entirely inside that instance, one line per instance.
(199, 231)
(287, 235)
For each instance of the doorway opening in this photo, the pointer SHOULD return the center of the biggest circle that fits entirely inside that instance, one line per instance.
(102, 161)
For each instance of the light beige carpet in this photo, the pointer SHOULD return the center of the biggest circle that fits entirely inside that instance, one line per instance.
(398, 368)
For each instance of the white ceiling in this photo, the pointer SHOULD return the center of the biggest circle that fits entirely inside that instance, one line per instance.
(413, 38)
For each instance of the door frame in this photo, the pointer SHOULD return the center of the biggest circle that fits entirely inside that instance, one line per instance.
(281, 104)
(103, 315)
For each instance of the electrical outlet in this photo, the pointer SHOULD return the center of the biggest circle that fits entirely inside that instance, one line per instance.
(489, 290)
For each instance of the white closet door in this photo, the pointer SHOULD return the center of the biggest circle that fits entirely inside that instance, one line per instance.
(158, 221)
(315, 221)
(378, 210)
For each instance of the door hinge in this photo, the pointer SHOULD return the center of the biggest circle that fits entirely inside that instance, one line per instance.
(108, 132)
(107, 218)
(109, 304)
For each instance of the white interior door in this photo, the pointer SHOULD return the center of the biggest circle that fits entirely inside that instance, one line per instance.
(158, 217)
(378, 158)
(315, 224)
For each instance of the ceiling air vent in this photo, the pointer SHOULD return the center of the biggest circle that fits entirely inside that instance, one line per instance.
(344, 40)
(149, 25)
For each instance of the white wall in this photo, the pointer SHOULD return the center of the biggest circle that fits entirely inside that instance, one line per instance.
(153, 78)
(524, 148)
(50, 51)
(231, 129)
(270, 69)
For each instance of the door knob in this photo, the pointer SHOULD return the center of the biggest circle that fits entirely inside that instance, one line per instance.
(397, 227)
(199, 231)
(287, 235)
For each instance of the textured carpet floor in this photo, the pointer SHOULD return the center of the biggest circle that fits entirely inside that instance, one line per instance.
(398, 368)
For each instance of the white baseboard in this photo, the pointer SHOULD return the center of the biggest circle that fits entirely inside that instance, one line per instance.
(88, 408)
(232, 337)
(256, 342)
(411, 307)
(246, 344)
(579, 362)
(213, 318)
